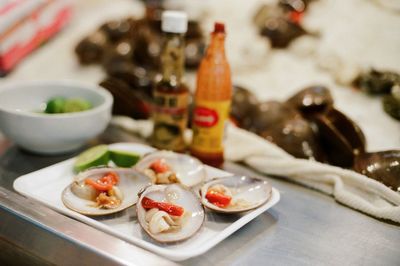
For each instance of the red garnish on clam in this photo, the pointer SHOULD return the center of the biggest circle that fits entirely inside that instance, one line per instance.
(169, 208)
(105, 183)
(217, 198)
(159, 166)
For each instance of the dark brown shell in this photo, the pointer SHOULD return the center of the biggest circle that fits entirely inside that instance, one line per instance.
(340, 137)
(391, 105)
(383, 166)
(296, 137)
(311, 100)
(136, 77)
(243, 104)
(117, 30)
(377, 82)
(274, 23)
(126, 101)
(268, 114)
(195, 45)
(92, 48)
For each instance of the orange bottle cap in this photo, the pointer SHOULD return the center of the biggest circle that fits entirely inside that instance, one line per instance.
(219, 27)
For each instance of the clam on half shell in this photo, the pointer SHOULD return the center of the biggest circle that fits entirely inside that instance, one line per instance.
(130, 184)
(177, 194)
(189, 170)
(247, 193)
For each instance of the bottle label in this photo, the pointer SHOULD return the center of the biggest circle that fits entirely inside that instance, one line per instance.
(208, 125)
(170, 115)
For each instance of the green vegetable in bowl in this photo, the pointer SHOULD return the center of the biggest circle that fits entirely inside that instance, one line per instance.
(76, 105)
(55, 105)
(59, 105)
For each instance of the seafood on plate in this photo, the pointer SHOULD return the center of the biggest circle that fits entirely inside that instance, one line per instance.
(235, 194)
(169, 213)
(104, 190)
(166, 167)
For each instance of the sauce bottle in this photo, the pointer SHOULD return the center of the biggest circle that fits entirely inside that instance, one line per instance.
(171, 95)
(212, 101)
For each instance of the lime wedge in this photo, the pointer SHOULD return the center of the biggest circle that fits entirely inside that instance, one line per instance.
(76, 105)
(124, 158)
(95, 156)
(55, 105)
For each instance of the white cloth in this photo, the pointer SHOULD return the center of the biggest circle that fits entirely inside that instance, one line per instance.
(347, 187)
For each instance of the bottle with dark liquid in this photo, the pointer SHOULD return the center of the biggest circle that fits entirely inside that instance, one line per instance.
(171, 95)
(212, 101)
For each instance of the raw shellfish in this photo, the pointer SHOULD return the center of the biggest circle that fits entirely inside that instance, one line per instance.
(169, 213)
(83, 198)
(178, 168)
(245, 193)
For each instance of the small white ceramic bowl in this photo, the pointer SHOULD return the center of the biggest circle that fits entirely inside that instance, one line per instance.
(21, 120)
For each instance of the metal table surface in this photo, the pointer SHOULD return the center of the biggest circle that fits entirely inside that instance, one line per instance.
(304, 228)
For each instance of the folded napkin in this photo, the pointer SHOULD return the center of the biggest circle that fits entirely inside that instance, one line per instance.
(347, 187)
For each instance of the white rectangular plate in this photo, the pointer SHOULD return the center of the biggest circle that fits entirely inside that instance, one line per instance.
(46, 185)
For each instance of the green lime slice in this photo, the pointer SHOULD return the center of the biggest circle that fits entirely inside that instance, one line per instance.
(124, 158)
(55, 105)
(76, 105)
(95, 156)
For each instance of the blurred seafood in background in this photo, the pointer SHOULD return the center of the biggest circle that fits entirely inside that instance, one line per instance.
(376, 82)
(308, 126)
(386, 83)
(127, 101)
(391, 103)
(340, 137)
(311, 100)
(281, 23)
(383, 166)
(128, 50)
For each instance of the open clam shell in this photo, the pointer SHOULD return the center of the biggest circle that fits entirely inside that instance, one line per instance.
(311, 100)
(178, 195)
(341, 138)
(130, 184)
(189, 171)
(247, 193)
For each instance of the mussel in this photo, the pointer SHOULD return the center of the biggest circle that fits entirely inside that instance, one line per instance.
(234, 194)
(82, 197)
(383, 166)
(169, 213)
(165, 167)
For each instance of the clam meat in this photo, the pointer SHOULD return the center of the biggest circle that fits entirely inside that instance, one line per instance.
(166, 167)
(235, 194)
(101, 191)
(169, 213)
